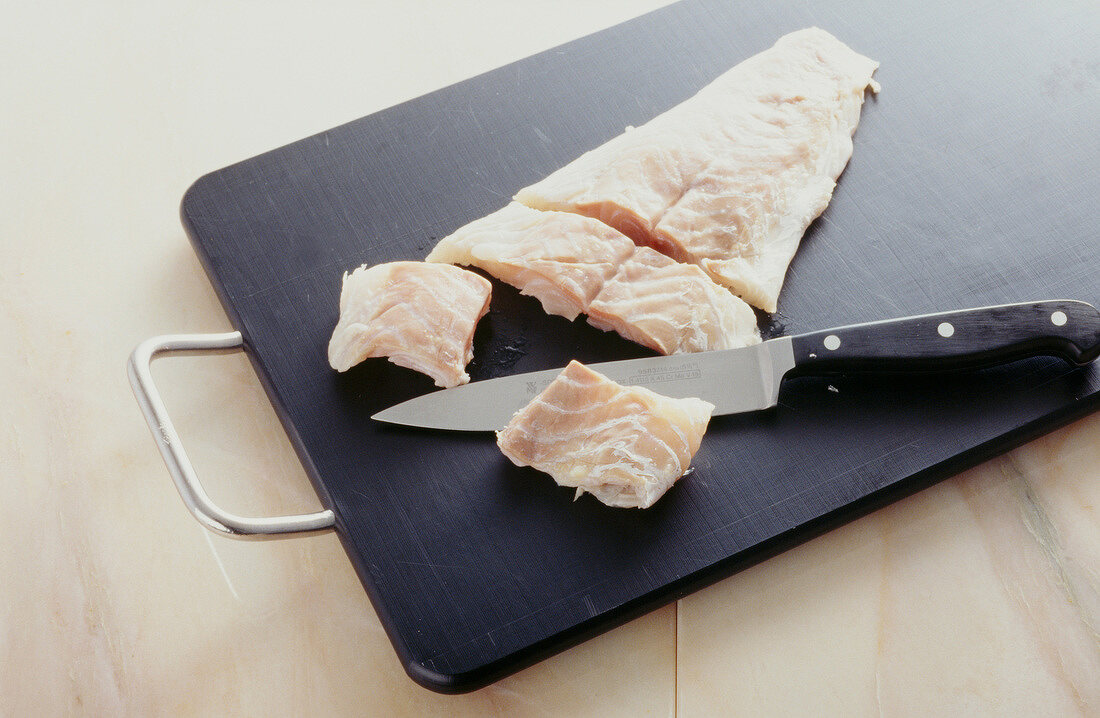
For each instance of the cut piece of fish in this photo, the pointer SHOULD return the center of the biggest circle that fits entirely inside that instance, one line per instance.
(671, 307)
(624, 445)
(421, 316)
(561, 259)
(570, 263)
(731, 178)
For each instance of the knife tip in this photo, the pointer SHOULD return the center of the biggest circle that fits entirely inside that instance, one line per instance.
(381, 416)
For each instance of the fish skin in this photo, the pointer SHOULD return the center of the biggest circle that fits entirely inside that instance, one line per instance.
(625, 445)
(420, 316)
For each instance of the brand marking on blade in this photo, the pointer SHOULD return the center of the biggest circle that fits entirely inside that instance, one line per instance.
(687, 370)
(536, 387)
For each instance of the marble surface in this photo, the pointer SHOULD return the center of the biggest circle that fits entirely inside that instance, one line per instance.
(979, 596)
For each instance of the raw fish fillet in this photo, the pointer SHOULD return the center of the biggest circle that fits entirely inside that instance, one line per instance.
(422, 316)
(571, 263)
(559, 258)
(671, 307)
(624, 445)
(730, 178)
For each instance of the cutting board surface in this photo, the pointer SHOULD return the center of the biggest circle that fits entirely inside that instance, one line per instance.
(974, 181)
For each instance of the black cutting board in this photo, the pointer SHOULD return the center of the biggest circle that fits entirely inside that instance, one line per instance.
(974, 181)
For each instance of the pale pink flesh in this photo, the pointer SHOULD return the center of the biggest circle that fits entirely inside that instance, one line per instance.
(574, 264)
(421, 316)
(730, 178)
(559, 258)
(624, 445)
(671, 307)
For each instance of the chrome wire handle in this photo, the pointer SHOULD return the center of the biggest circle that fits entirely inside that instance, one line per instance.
(175, 458)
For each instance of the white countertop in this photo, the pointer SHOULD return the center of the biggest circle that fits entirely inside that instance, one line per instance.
(980, 595)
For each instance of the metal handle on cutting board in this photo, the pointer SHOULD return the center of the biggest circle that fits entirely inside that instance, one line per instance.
(179, 466)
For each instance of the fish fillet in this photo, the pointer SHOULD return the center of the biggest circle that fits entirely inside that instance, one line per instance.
(559, 258)
(574, 264)
(731, 178)
(671, 307)
(624, 445)
(421, 316)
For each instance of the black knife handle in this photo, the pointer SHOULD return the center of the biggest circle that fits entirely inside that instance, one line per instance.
(965, 339)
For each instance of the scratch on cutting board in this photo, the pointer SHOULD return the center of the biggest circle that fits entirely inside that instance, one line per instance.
(541, 135)
(431, 565)
(562, 601)
(492, 191)
(813, 487)
(289, 280)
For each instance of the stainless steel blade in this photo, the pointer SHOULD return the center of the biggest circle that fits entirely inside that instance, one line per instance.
(734, 380)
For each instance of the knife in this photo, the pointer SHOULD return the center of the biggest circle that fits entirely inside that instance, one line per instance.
(748, 379)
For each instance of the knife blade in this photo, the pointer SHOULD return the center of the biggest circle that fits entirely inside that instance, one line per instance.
(748, 379)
